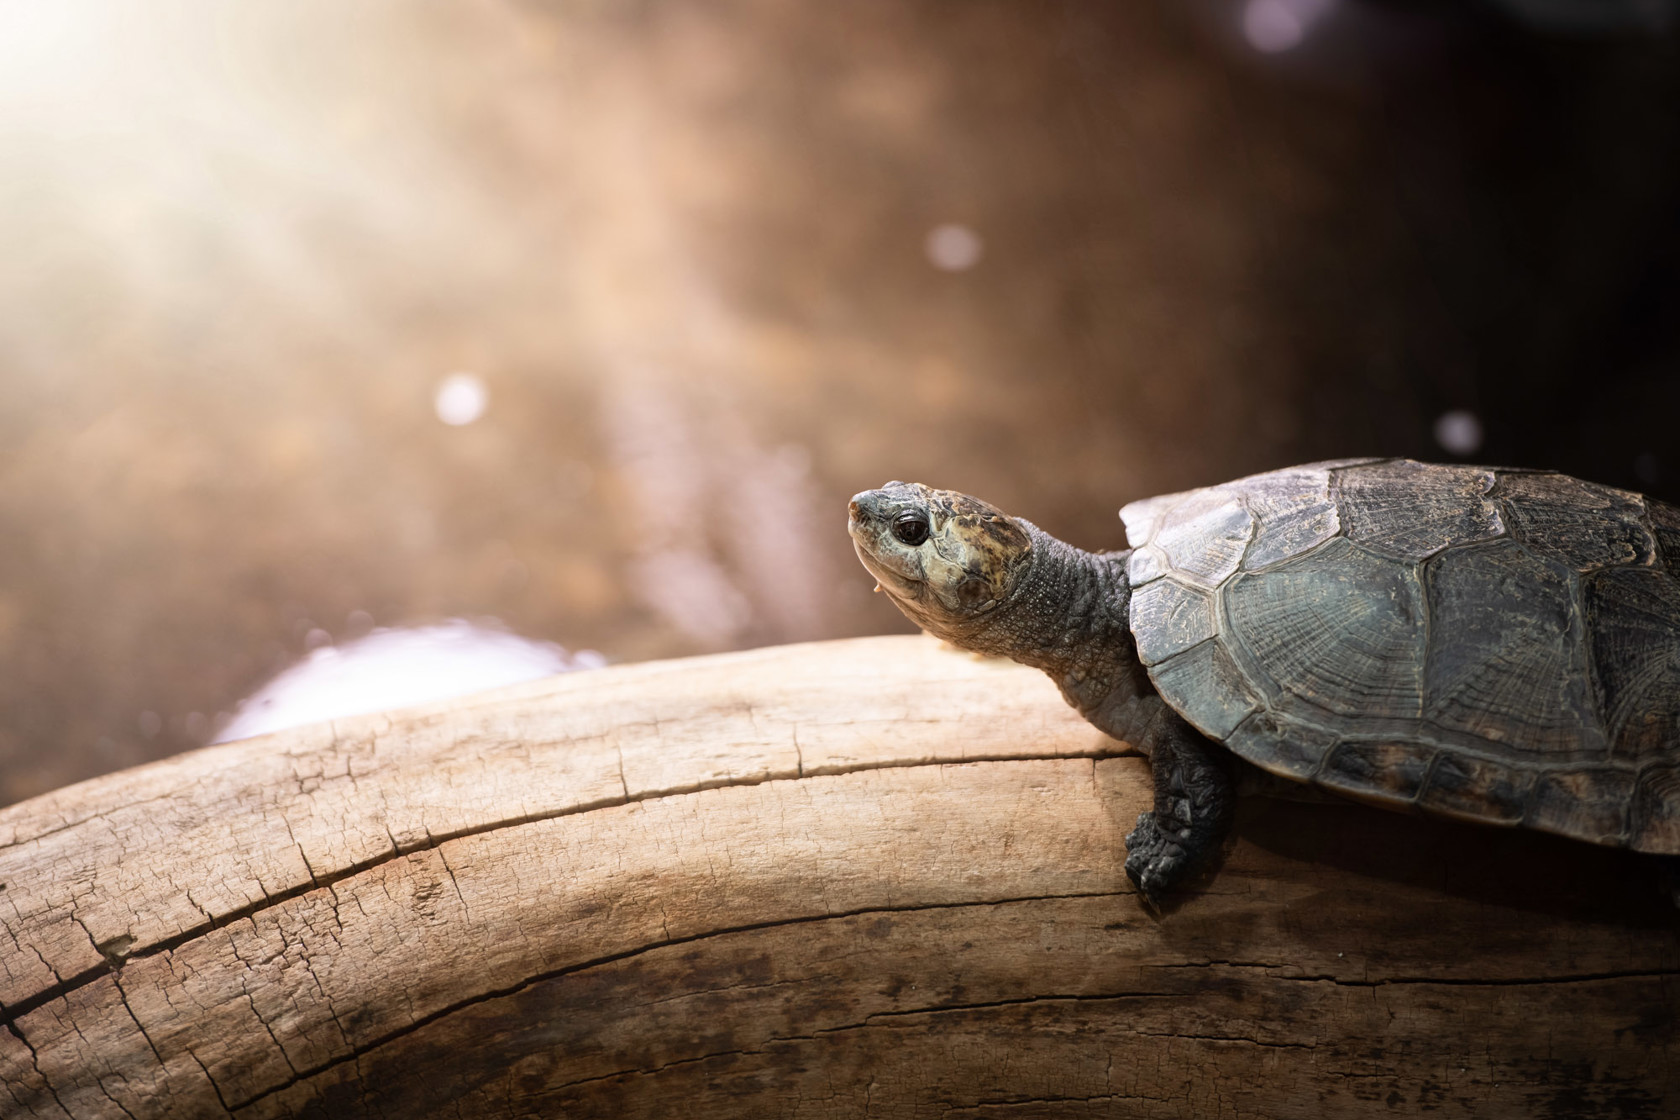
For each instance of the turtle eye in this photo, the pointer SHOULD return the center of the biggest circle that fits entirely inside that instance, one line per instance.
(911, 528)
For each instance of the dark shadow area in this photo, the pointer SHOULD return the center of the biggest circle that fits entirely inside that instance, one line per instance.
(1515, 868)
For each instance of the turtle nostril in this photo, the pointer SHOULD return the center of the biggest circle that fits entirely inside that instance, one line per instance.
(863, 505)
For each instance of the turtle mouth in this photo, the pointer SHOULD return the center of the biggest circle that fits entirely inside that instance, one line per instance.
(882, 557)
(888, 579)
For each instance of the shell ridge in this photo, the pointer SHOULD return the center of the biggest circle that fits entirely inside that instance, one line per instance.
(1273, 565)
(1424, 573)
(1429, 774)
(1487, 750)
(1247, 663)
(1581, 640)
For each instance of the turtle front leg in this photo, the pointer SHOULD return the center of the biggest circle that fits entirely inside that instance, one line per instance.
(1194, 798)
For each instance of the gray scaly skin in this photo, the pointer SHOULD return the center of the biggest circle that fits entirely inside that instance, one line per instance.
(966, 572)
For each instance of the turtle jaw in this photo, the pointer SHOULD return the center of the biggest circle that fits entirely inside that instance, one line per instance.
(896, 567)
(903, 588)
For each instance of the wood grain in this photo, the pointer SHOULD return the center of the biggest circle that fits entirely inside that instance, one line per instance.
(864, 878)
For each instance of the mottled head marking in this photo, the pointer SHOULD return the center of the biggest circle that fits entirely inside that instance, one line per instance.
(945, 558)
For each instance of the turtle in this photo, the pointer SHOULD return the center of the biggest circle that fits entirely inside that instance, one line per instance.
(1497, 645)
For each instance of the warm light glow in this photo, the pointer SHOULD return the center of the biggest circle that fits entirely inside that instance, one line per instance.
(184, 151)
(396, 669)
(54, 50)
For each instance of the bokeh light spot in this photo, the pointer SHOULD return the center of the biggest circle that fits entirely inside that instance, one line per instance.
(461, 399)
(954, 248)
(1459, 432)
(1275, 26)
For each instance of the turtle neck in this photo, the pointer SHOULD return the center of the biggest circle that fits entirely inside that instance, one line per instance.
(1069, 617)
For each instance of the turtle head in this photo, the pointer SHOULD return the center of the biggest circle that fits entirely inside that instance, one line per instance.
(946, 559)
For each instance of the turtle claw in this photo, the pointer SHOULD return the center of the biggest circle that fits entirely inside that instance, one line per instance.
(1154, 861)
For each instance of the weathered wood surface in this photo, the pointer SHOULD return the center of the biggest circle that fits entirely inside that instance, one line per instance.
(866, 878)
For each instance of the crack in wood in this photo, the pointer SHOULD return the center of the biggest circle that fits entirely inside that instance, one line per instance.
(583, 966)
(880, 1017)
(35, 1060)
(943, 1009)
(1438, 981)
(19, 1008)
(79, 821)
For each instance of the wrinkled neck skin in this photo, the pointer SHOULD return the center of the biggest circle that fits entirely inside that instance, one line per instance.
(1069, 617)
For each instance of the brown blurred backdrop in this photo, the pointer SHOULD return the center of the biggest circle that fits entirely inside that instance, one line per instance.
(716, 266)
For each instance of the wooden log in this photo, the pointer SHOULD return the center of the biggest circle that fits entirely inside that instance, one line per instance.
(863, 878)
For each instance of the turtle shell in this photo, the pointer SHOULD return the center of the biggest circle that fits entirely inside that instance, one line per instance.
(1493, 644)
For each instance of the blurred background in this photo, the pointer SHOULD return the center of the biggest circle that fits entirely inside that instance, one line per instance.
(580, 321)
